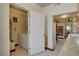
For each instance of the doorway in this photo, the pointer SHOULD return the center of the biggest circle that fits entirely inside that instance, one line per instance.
(64, 25)
(18, 31)
(27, 31)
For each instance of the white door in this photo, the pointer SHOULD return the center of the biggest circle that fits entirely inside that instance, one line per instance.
(36, 25)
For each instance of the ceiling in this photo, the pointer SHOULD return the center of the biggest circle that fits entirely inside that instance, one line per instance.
(46, 4)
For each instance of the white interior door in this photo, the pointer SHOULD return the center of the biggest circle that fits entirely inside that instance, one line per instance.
(36, 25)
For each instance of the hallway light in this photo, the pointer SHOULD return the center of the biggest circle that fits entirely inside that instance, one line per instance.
(64, 16)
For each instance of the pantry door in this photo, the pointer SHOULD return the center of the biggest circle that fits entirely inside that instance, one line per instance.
(36, 32)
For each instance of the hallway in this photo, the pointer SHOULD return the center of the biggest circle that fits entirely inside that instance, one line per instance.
(22, 52)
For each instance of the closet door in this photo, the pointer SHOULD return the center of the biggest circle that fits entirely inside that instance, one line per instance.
(36, 31)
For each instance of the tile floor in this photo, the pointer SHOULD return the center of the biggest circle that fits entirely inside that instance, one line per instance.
(19, 52)
(56, 49)
(22, 52)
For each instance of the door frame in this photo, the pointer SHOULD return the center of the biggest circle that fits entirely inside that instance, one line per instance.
(25, 9)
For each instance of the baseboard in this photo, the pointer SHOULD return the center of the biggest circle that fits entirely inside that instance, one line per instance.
(16, 44)
(12, 50)
(49, 49)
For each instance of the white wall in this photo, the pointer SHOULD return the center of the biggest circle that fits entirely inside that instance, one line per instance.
(78, 7)
(55, 10)
(50, 30)
(4, 29)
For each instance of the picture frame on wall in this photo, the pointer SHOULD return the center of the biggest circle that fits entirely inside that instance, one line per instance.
(14, 19)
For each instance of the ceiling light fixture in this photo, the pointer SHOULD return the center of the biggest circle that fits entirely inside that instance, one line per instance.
(64, 16)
